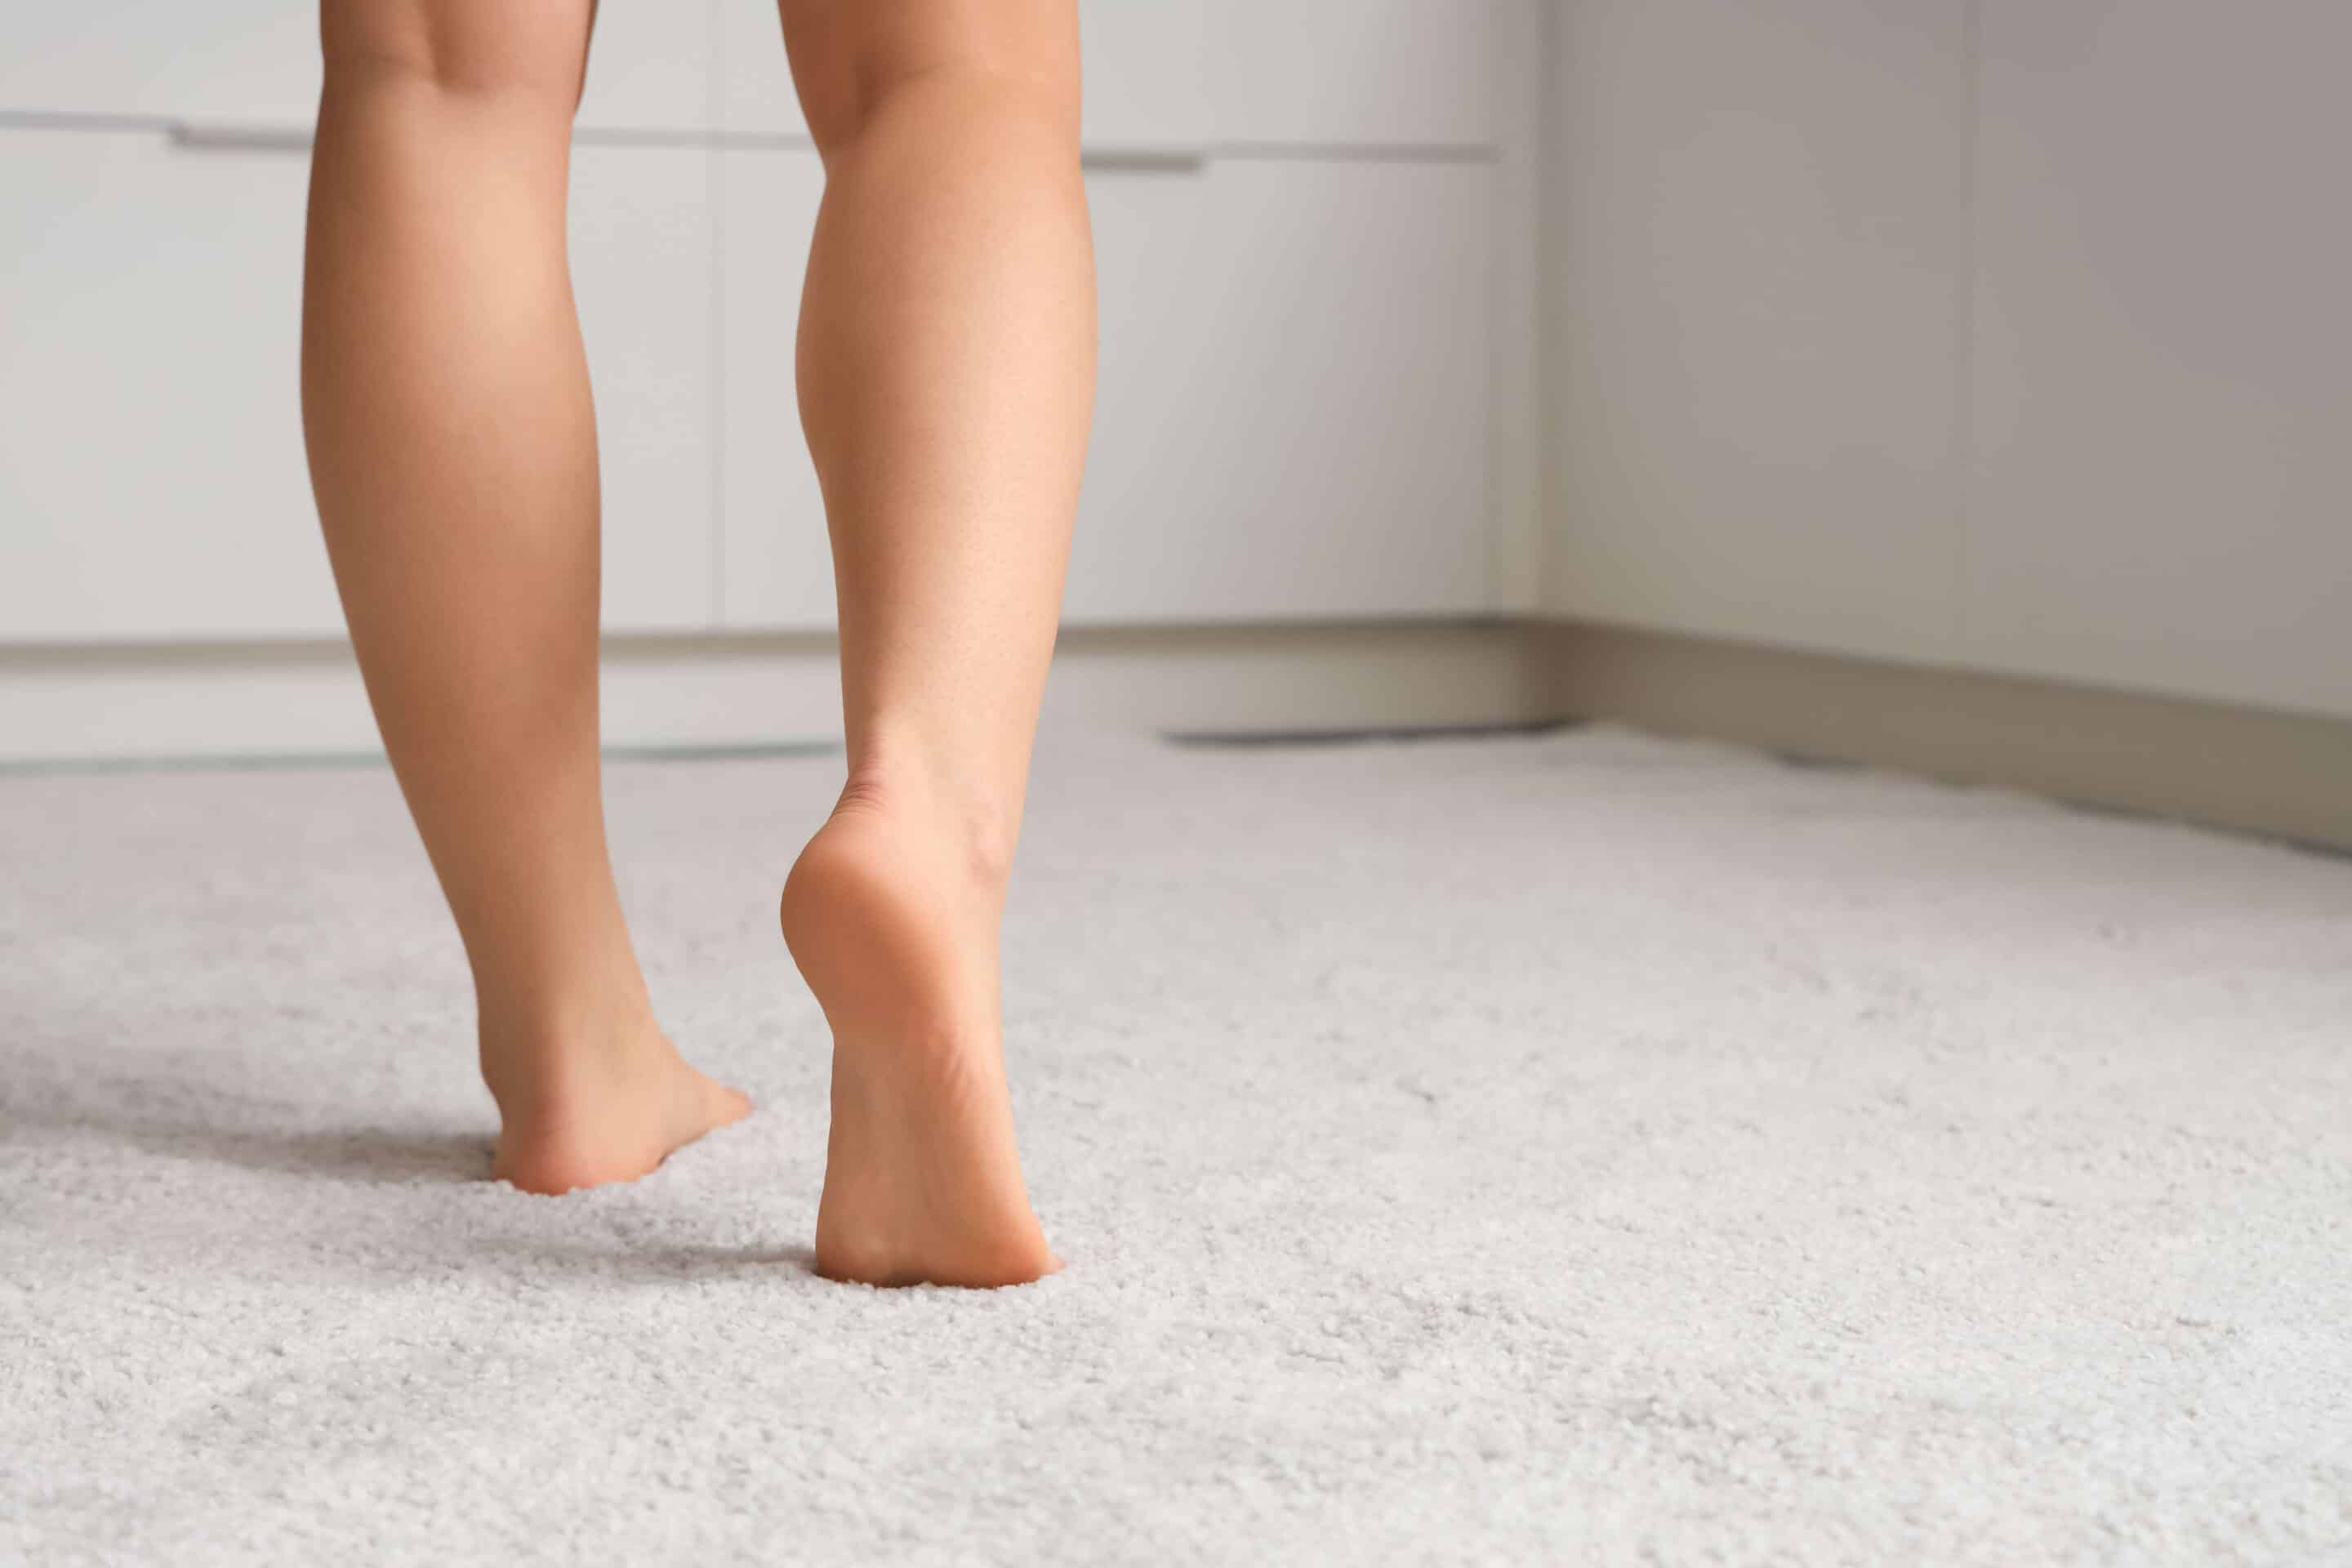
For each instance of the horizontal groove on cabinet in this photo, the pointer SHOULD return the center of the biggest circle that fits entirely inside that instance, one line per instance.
(81, 119)
(1360, 152)
(222, 137)
(1142, 160)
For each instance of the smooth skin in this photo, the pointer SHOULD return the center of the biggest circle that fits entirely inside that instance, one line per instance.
(945, 366)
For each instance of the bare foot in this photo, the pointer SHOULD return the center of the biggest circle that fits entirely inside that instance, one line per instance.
(895, 931)
(611, 1119)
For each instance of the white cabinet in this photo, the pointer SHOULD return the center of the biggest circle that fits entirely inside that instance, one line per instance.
(2162, 493)
(643, 232)
(1756, 274)
(256, 62)
(1296, 252)
(1292, 412)
(776, 566)
(153, 481)
(151, 475)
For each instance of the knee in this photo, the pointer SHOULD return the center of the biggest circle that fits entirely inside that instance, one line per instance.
(851, 63)
(528, 49)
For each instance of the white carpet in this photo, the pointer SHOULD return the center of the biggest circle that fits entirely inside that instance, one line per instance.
(1577, 1149)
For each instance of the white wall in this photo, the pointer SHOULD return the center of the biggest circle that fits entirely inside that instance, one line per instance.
(1991, 334)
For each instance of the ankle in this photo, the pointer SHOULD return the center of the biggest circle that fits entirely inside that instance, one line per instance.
(968, 830)
(538, 1061)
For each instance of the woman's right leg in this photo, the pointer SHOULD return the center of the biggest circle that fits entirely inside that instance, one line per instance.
(445, 397)
(945, 372)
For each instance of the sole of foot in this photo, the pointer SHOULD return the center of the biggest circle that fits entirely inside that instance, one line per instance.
(613, 1126)
(898, 940)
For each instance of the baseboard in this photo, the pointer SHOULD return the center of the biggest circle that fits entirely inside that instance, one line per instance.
(2284, 774)
(304, 699)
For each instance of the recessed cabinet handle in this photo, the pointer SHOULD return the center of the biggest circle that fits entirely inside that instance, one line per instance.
(203, 137)
(1143, 160)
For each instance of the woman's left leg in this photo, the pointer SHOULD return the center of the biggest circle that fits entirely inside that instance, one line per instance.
(445, 395)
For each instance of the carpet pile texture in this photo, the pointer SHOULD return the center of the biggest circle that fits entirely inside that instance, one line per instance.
(1578, 1148)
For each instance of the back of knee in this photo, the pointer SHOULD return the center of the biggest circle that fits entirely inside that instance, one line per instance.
(534, 49)
(854, 63)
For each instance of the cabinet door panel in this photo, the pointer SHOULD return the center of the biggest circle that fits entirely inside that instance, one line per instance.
(653, 66)
(152, 482)
(151, 474)
(1292, 414)
(1341, 72)
(778, 570)
(643, 269)
(239, 61)
(2162, 494)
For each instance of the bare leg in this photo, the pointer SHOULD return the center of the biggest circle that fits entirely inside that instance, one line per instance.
(946, 368)
(452, 445)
